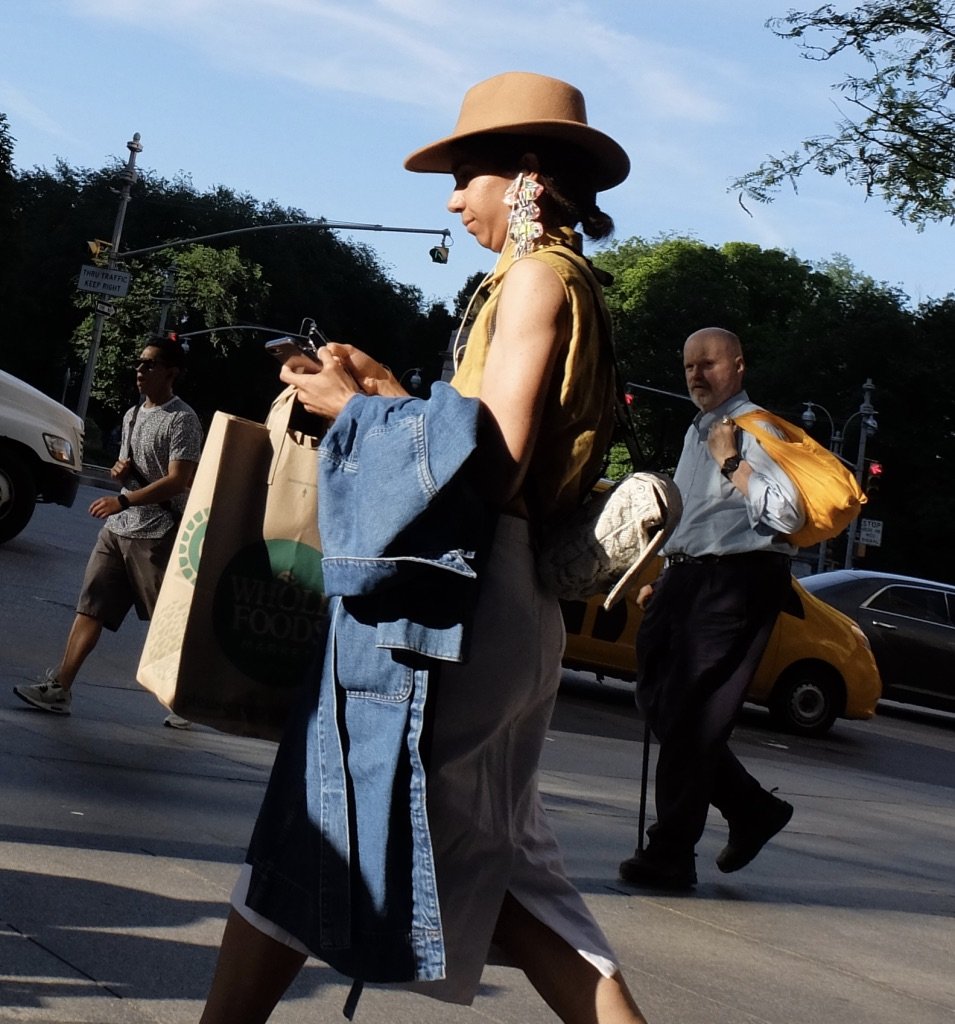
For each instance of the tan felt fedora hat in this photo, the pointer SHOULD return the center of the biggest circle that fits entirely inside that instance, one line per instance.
(523, 103)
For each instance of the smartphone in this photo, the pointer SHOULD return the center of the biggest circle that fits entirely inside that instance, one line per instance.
(284, 348)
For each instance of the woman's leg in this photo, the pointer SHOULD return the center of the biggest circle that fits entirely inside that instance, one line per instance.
(251, 976)
(571, 986)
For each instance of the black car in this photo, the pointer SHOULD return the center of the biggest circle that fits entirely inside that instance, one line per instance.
(910, 624)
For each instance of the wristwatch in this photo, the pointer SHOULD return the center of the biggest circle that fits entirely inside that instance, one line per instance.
(730, 465)
(123, 500)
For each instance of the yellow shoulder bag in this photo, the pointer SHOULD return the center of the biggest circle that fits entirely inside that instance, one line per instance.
(830, 493)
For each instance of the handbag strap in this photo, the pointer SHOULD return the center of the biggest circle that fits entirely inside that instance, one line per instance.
(136, 472)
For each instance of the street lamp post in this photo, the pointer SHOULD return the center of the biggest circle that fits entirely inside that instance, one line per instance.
(128, 177)
(868, 424)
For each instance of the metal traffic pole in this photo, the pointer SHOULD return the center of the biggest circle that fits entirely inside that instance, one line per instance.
(867, 425)
(128, 177)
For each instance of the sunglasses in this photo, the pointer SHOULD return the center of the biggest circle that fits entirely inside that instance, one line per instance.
(147, 366)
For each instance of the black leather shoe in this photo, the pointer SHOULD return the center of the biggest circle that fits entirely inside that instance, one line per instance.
(653, 873)
(747, 838)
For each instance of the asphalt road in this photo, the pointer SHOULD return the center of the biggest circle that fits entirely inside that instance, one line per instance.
(119, 842)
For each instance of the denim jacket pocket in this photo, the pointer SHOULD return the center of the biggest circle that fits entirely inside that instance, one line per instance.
(369, 671)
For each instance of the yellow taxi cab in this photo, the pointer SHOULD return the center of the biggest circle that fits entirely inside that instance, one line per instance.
(818, 665)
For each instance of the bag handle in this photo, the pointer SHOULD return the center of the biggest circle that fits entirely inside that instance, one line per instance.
(138, 474)
(278, 425)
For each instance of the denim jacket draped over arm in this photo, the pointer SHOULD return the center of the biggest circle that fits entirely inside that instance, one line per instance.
(400, 524)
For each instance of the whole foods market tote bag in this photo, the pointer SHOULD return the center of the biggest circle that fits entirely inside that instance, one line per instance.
(241, 613)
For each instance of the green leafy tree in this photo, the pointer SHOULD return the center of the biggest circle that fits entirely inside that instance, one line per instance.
(898, 141)
(463, 297)
(9, 249)
(7, 184)
(210, 286)
(810, 334)
(309, 270)
(665, 289)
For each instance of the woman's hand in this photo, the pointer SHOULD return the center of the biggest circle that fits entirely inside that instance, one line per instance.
(324, 390)
(372, 377)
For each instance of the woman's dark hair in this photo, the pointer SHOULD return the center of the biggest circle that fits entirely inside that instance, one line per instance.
(173, 352)
(564, 173)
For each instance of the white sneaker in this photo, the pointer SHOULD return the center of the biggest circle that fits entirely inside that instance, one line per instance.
(175, 722)
(46, 694)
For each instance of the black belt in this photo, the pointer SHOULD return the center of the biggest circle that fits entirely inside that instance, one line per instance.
(679, 558)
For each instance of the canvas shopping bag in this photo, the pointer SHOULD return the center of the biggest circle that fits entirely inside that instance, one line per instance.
(241, 613)
(830, 493)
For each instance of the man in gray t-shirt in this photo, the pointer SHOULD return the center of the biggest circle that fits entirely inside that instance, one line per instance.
(161, 442)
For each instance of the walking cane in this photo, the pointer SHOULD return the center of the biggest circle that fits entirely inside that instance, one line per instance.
(642, 817)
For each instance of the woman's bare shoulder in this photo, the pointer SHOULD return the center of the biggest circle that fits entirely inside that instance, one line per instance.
(533, 278)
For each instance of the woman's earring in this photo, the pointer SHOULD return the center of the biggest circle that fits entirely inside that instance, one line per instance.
(523, 227)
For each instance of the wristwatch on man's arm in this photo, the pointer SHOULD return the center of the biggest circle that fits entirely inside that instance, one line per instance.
(730, 465)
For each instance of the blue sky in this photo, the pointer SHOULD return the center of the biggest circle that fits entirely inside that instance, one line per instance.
(315, 103)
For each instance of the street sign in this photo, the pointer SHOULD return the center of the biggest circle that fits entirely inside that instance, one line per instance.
(870, 532)
(103, 281)
(104, 309)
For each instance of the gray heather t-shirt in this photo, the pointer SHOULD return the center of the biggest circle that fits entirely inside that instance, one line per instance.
(161, 434)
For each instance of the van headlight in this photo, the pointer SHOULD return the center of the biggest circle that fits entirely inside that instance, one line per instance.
(59, 448)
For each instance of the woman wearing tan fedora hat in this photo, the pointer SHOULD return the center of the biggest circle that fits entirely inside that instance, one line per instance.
(534, 360)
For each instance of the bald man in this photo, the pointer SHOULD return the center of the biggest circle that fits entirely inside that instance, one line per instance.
(708, 620)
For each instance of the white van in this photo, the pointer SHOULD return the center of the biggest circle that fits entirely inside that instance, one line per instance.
(41, 453)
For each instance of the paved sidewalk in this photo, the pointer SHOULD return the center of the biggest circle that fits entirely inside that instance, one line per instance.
(120, 839)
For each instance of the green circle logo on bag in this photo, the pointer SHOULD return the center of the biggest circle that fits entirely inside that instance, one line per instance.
(189, 546)
(269, 612)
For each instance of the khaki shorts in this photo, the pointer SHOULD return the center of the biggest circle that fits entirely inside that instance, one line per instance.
(124, 572)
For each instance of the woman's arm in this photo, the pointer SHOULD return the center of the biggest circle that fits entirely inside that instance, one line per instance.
(531, 329)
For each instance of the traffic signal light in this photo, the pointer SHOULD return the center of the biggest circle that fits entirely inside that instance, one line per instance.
(873, 477)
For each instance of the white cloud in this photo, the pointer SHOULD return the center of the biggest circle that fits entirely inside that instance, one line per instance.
(425, 52)
(18, 106)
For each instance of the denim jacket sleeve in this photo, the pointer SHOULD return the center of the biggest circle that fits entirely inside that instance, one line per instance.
(398, 516)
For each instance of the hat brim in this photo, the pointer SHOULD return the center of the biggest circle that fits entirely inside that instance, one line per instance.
(611, 163)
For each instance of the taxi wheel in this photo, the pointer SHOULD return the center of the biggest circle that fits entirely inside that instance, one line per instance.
(806, 700)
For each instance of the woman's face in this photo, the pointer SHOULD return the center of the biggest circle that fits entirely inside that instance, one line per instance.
(478, 197)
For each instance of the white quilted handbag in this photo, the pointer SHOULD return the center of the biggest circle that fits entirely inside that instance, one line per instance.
(601, 547)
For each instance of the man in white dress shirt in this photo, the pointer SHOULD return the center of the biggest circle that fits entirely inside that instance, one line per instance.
(708, 620)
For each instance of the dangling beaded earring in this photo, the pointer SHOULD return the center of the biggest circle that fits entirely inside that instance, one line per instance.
(523, 227)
